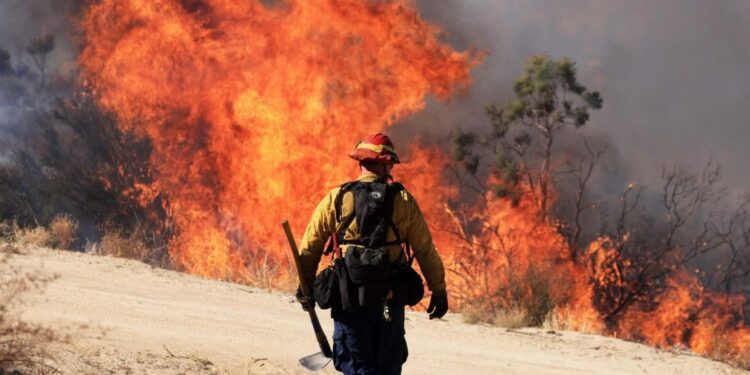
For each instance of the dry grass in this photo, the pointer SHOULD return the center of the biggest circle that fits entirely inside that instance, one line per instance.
(263, 270)
(473, 314)
(116, 244)
(23, 347)
(506, 318)
(61, 234)
(563, 320)
(723, 350)
(527, 300)
(38, 236)
(63, 229)
(6, 230)
(511, 318)
(6, 238)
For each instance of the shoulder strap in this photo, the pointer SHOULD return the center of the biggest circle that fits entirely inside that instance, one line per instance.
(340, 198)
(343, 224)
(397, 188)
(338, 235)
(394, 189)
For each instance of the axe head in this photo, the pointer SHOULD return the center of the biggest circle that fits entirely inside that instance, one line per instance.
(315, 362)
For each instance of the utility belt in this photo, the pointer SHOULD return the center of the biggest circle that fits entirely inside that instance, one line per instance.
(364, 277)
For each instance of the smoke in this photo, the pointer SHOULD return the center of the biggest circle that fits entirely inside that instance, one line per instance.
(21, 94)
(673, 74)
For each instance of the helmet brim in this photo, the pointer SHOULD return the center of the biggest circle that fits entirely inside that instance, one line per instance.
(365, 155)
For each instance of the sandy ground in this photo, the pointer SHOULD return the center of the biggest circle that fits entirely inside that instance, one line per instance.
(127, 317)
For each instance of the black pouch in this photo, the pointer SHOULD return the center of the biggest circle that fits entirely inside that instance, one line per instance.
(368, 266)
(348, 292)
(371, 272)
(408, 287)
(326, 287)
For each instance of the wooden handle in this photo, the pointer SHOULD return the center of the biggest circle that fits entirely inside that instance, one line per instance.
(319, 334)
(295, 254)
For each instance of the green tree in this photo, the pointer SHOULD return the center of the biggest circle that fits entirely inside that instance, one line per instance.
(548, 98)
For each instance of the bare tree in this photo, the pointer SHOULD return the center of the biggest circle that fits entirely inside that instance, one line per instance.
(638, 256)
(734, 235)
(475, 267)
(39, 49)
(581, 169)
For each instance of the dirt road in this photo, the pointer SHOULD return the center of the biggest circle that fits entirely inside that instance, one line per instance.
(127, 317)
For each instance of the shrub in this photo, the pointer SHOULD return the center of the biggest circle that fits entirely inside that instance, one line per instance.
(63, 229)
(534, 293)
(528, 299)
(6, 231)
(566, 320)
(473, 314)
(116, 244)
(36, 236)
(511, 318)
(722, 350)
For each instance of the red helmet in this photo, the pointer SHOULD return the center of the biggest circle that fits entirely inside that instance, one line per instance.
(376, 148)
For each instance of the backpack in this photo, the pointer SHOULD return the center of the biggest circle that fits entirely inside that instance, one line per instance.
(365, 276)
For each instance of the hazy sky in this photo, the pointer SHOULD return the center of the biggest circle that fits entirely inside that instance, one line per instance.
(21, 21)
(674, 74)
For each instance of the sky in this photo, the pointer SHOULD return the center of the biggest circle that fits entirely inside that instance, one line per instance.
(20, 22)
(673, 73)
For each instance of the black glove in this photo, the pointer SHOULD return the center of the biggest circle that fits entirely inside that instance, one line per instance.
(307, 302)
(438, 304)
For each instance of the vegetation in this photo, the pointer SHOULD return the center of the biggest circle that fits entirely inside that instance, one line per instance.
(73, 170)
(549, 99)
(24, 347)
(38, 49)
(75, 180)
(628, 250)
(63, 229)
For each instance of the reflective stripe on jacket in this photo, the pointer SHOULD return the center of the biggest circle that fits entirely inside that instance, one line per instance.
(407, 218)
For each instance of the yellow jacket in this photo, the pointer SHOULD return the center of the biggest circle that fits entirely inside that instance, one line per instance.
(407, 218)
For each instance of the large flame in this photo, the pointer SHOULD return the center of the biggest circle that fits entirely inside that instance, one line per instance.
(251, 106)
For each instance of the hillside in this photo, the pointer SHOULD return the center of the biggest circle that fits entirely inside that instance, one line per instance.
(127, 317)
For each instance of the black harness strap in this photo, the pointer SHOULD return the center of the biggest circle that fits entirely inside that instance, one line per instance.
(343, 223)
(337, 238)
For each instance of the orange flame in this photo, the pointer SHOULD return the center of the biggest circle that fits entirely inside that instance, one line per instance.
(251, 108)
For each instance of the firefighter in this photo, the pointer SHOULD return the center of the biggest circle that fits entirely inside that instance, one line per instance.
(371, 340)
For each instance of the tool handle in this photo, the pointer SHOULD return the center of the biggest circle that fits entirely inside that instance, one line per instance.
(295, 254)
(319, 334)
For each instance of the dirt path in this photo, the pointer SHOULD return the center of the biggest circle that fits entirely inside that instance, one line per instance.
(135, 315)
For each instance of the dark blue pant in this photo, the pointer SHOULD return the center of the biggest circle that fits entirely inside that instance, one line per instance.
(365, 344)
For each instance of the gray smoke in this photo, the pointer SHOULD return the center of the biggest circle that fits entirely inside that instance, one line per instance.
(673, 73)
(21, 94)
